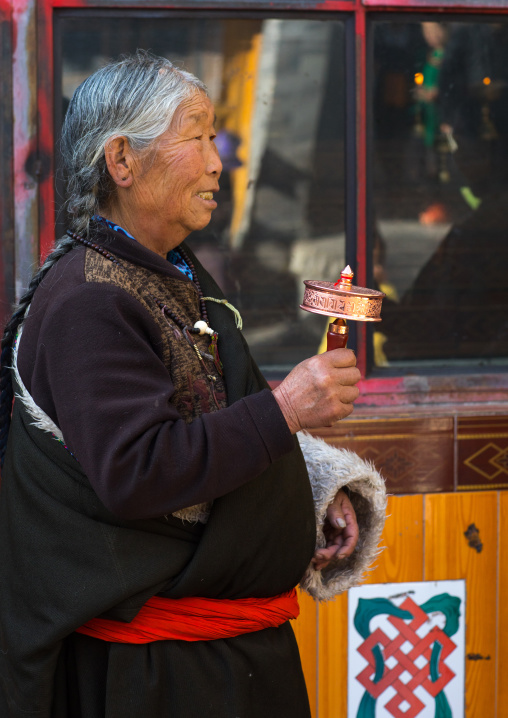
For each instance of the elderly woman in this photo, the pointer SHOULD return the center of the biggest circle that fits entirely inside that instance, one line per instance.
(156, 511)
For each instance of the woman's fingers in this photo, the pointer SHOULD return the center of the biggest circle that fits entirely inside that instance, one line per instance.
(341, 513)
(340, 530)
(319, 391)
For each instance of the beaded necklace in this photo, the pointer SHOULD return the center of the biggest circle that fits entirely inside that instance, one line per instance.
(202, 326)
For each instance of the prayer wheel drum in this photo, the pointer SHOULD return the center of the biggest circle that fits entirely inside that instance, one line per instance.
(342, 300)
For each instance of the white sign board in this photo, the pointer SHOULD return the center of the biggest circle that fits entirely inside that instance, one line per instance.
(406, 650)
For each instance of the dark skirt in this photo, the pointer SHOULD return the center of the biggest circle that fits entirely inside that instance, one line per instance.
(257, 675)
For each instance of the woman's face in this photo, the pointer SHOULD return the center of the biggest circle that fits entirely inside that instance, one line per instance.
(173, 189)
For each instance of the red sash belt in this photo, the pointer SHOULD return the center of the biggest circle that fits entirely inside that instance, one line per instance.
(196, 619)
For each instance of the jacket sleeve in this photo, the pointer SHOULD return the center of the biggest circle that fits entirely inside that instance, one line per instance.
(99, 376)
(331, 469)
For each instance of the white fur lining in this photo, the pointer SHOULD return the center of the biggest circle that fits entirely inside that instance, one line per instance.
(193, 514)
(41, 419)
(331, 469)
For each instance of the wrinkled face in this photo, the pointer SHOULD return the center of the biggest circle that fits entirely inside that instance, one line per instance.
(176, 185)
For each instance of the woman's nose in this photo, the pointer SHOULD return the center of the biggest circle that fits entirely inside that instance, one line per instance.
(214, 161)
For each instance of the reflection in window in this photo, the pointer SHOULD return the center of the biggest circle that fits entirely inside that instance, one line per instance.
(277, 86)
(440, 248)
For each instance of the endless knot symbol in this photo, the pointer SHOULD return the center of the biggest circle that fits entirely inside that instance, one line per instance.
(405, 661)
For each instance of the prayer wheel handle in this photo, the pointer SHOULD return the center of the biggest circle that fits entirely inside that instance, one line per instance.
(337, 335)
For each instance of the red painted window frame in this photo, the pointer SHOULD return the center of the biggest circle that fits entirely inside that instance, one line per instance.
(7, 162)
(380, 391)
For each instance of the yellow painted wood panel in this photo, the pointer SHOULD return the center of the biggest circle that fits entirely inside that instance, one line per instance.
(305, 628)
(402, 557)
(502, 604)
(448, 556)
(401, 560)
(332, 642)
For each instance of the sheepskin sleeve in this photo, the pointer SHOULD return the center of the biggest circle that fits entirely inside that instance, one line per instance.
(331, 469)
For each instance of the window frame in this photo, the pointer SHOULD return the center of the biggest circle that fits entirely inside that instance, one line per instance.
(6, 166)
(381, 391)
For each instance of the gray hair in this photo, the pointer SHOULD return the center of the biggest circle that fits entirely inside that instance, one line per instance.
(135, 97)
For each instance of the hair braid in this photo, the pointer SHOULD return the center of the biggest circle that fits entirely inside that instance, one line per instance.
(64, 245)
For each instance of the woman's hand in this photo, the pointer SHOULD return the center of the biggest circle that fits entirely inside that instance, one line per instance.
(319, 391)
(340, 530)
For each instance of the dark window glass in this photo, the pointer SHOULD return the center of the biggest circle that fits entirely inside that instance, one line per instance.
(440, 191)
(278, 90)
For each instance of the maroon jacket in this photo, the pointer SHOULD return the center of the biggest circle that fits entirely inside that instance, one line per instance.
(129, 394)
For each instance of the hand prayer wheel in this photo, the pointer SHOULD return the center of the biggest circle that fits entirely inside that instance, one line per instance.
(344, 301)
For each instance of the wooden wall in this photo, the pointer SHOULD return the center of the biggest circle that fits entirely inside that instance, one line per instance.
(424, 539)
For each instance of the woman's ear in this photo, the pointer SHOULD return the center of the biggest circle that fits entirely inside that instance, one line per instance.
(119, 160)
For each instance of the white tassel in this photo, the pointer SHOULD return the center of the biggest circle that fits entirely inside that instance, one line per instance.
(238, 316)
